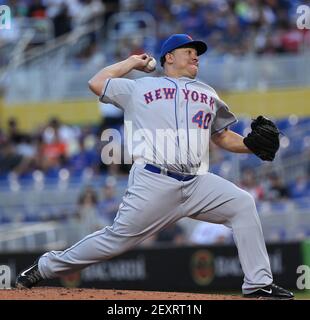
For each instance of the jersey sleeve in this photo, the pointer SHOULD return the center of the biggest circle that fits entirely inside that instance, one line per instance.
(118, 92)
(223, 118)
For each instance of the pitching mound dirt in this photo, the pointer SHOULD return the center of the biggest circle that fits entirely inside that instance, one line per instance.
(46, 293)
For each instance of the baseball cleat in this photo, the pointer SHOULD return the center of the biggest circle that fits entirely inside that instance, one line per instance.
(272, 292)
(29, 277)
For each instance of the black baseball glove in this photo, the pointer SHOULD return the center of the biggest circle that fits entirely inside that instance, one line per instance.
(263, 140)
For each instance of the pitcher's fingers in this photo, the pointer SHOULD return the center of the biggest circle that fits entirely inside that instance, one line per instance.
(149, 58)
(143, 56)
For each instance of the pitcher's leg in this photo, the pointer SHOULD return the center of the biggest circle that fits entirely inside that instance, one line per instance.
(99, 246)
(145, 210)
(227, 204)
(249, 239)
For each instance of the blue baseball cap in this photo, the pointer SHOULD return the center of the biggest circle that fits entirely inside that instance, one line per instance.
(181, 40)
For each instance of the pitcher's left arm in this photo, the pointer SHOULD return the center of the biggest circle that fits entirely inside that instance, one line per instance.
(230, 141)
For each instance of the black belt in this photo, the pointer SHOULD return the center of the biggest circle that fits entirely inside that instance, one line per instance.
(177, 176)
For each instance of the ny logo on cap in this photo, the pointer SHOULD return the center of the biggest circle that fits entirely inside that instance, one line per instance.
(5, 17)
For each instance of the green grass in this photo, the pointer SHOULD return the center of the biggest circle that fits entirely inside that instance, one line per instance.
(299, 294)
(302, 294)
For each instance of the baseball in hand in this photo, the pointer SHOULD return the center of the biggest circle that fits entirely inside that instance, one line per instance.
(151, 65)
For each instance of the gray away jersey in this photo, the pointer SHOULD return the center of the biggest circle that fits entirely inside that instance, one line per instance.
(169, 121)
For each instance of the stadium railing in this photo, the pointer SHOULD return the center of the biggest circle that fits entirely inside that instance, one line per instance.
(223, 73)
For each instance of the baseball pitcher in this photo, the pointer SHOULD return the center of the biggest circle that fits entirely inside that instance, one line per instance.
(165, 186)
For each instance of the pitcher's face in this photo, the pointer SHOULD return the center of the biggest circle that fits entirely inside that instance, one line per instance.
(184, 61)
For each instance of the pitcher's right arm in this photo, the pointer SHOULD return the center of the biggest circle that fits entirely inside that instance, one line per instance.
(118, 70)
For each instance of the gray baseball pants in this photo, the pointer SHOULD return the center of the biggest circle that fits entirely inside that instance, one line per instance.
(153, 201)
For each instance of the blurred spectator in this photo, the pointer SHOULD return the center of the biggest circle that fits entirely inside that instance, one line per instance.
(235, 41)
(85, 11)
(249, 184)
(59, 14)
(86, 157)
(210, 24)
(5, 219)
(23, 142)
(13, 132)
(37, 9)
(11, 161)
(268, 43)
(2, 137)
(65, 134)
(210, 233)
(230, 27)
(167, 26)
(108, 206)
(249, 12)
(300, 187)
(276, 189)
(53, 154)
(87, 214)
(291, 39)
(192, 21)
(55, 146)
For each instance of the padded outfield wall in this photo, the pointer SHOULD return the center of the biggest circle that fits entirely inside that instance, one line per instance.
(187, 269)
